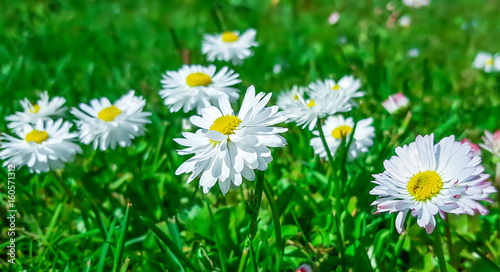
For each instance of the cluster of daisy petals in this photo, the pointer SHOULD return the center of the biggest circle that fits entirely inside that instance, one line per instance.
(43, 140)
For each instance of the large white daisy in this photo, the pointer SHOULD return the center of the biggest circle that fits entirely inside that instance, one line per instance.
(229, 46)
(105, 125)
(43, 146)
(336, 128)
(426, 178)
(44, 109)
(229, 146)
(487, 62)
(198, 87)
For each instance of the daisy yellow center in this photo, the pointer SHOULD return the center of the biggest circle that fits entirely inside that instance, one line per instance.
(311, 103)
(37, 136)
(296, 97)
(336, 87)
(198, 79)
(229, 37)
(341, 131)
(425, 185)
(489, 61)
(35, 109)
(109, 114)
(225, 124)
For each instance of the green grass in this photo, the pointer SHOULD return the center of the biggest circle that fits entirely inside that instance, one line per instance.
(86, 49)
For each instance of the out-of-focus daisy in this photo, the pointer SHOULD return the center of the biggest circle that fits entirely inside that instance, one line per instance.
(427, 178)
(413, 52)
(336, 128)
(474, 148)
(196, 87)
(404, 21)
(105, 125)
(395, 102)
(347, 84)
(43, 146)
(287, 98)
(277, 68)
(229, 46)
(306, 112)
(229, 146)
(333, 18)
(44, 109)
(416, 3)
(304, 268)
(492, 143)
(487, 62)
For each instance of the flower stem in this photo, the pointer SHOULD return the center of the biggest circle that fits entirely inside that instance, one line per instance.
(335, 188)
(217, 239)
(277, 226)
(438, 249)
(448, 239)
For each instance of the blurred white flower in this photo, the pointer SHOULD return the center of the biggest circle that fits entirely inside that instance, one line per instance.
(487, 62)
(198, 87)
(277, 68)
(43, 146)
(395, 102)
(105, 125)
(333, 18)
(404, 21)
(336, 128)
(44, 109)
(427, 178)
(492, 143)
(416, 3)
(228, 147)
(414, 52)
(229, 46)
(304, 268)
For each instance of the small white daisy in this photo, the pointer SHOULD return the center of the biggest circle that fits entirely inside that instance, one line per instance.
(413, 52)
(487, 62)
(44, 109)
(336, 128)
(105, 125)
(287, 98)
(306, 112)
(404, 21)
(334, 18)
(416, 3)
(427, 178)
(492, 143)
(43, 146)
(228, 147)
(196, 87)
(395, 102)
(229, 46)
(347, 84)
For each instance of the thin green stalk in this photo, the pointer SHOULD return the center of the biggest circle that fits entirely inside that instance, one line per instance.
(252, 251)
(336, 188)
(397, 252)
(448, 239)
(243, 261)
(217, 239)
(438, 249)
(277, 226)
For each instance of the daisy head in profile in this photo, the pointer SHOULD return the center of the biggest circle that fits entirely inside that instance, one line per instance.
(336, 128)
(44, 109)
(198, 87)
(43, 146)
(228, 147)
(104, 125)
(426, 178)
(230, 46)
(487, 62)
(396, 103)
(492, 143)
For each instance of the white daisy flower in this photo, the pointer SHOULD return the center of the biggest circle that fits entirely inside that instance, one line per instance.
(413, 52)
(416, 3)
(228, 147)
(287, 98)
(336, 128)
(229, 46)
(43, 146)
(404, 21)
(492, 143)
(334, 18)
(395, 102)
(196, 87)
(427, 178)
(306, 112)
(487, 62)
(347, 84)
(105, 125)
(44, 109)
